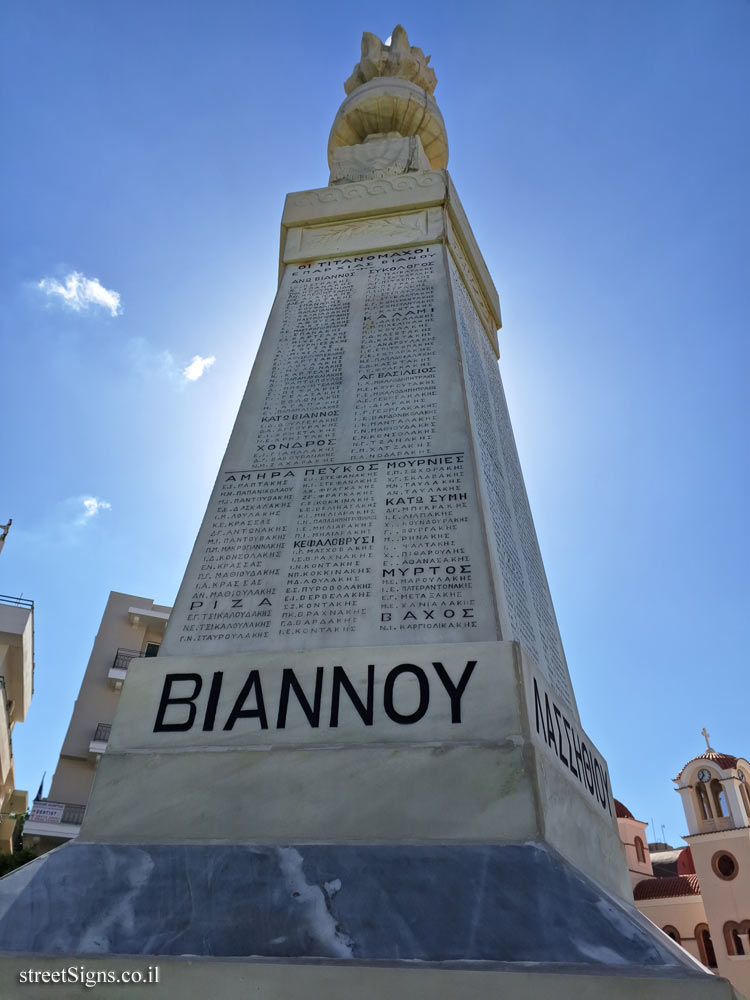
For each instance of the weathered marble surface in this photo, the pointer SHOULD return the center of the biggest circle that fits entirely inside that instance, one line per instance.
(498, 763)
(517, 903)
(376, 157)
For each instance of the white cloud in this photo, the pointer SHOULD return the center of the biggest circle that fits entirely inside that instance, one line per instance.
(91, 508)
(197, 367)
(63, 523)
(79, 292)
(150, 362)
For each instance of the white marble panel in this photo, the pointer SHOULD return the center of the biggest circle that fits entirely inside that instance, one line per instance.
(526, 609)
(345, 511)
(428, 694)
(368, 794)
(368, 235)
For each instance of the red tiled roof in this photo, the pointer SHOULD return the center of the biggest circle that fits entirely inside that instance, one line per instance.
(724, 760)
(667, 888)
(621, 811)
(685, 863)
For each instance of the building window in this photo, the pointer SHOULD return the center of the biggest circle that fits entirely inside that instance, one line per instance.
(724, 865)
(745, 799)
(704, 806)
(673, 933)
(639, 852)
(718, 796)
(733, 934)
(152, 648)
(705, 946)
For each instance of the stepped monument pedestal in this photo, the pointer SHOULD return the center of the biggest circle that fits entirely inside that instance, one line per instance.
(357, 767)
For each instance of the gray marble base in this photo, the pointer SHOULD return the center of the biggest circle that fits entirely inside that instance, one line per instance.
(508, 904)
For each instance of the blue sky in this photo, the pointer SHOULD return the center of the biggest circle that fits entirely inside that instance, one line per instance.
(601, 152)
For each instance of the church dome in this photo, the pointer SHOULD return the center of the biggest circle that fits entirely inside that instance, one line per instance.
(621, 811)
(724, 761)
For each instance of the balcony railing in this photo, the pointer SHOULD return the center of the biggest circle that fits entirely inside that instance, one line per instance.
(102, 732)
(716, 825)
(17, 602)
(73, 814)
(7, 706)
(123, 657)
(55, 813)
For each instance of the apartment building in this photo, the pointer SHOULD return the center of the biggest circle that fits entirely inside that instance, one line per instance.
(16, 689)
(130, 627)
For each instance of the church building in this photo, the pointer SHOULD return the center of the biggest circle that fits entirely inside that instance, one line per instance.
(700, 895)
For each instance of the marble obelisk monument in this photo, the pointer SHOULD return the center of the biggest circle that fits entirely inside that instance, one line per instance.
(357, 765)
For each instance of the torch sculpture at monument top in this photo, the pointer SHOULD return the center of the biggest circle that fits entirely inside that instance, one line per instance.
(357, 761)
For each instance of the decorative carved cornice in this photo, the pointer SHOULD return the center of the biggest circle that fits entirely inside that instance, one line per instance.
(362, 190)
(370, 215)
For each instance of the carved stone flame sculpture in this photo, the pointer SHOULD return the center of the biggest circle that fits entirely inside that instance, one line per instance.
(389, 94)
(399, 59)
